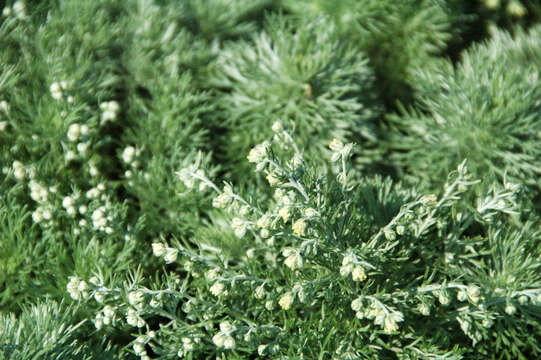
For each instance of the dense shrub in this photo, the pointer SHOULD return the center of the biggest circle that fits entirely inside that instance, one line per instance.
(295, 72)
(132, 225)
(485, 109)
(325, 267)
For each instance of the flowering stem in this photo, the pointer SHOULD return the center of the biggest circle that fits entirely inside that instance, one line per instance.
(293, 183)
(206, 181)
(402, 212)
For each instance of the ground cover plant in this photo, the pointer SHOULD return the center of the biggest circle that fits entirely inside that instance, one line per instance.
(270, 179)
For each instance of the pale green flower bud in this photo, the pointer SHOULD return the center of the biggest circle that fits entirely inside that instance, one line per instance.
(299, 227)
(389, 234)
(294, 261)
(492, 4)
(217, 289)
(226, 327)
(356, 304)
(272, 179)
(264, 222)
(424, 309)
(461, 295)
(108, 311)
(98, 322)
(269, 305)
(277, 127)
(510, 309)
(136, 297)
(474, 293)
(170, 255)
(229, 342)
(239, 226)
(358, 274)
(158, 249)
(516, 9)
(258, 153)
(286, 300)
(259, 292)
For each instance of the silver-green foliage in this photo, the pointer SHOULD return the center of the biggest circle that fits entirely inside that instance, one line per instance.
(395, 35)
(55, 79)
(297, 73)
(164, 108)
(45, 331)
(220, 19)
(327, 267)
(486, 109)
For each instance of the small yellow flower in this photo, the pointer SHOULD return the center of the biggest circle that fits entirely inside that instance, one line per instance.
(286, 300)
(390, 325)
(299, 226)
(258, 153)
(264, 222)
(284, 213)
(272, 179)
(474, 292)
(358, 274)
(293, 261)
(158, 249)
(217, 289)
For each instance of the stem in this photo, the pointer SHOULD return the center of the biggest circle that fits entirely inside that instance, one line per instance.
(206, 181)
(292, 182)
(402, 212)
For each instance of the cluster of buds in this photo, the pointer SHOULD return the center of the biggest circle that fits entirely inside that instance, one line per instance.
(42, 213)
(139, 347)
(58, 90)
(224, 199)
(472, 293)
(19, 171)
(258, 155)
(75, 133)
(105, 317)
(264, 223)
(169, 254)
(293, 259)
(133, 318)
(239, 226)
(286, 300)
(18, 9)
(382, 315)
(129, 156)
(190, 174)
(100, 219)
(299, 227)
(218, 289)
(77, 288)
(38, 192)
(188, 345)
(72, 206)
(223, 339)
(95, 192)
(443, 296)
(350, 265)
(109, 110)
